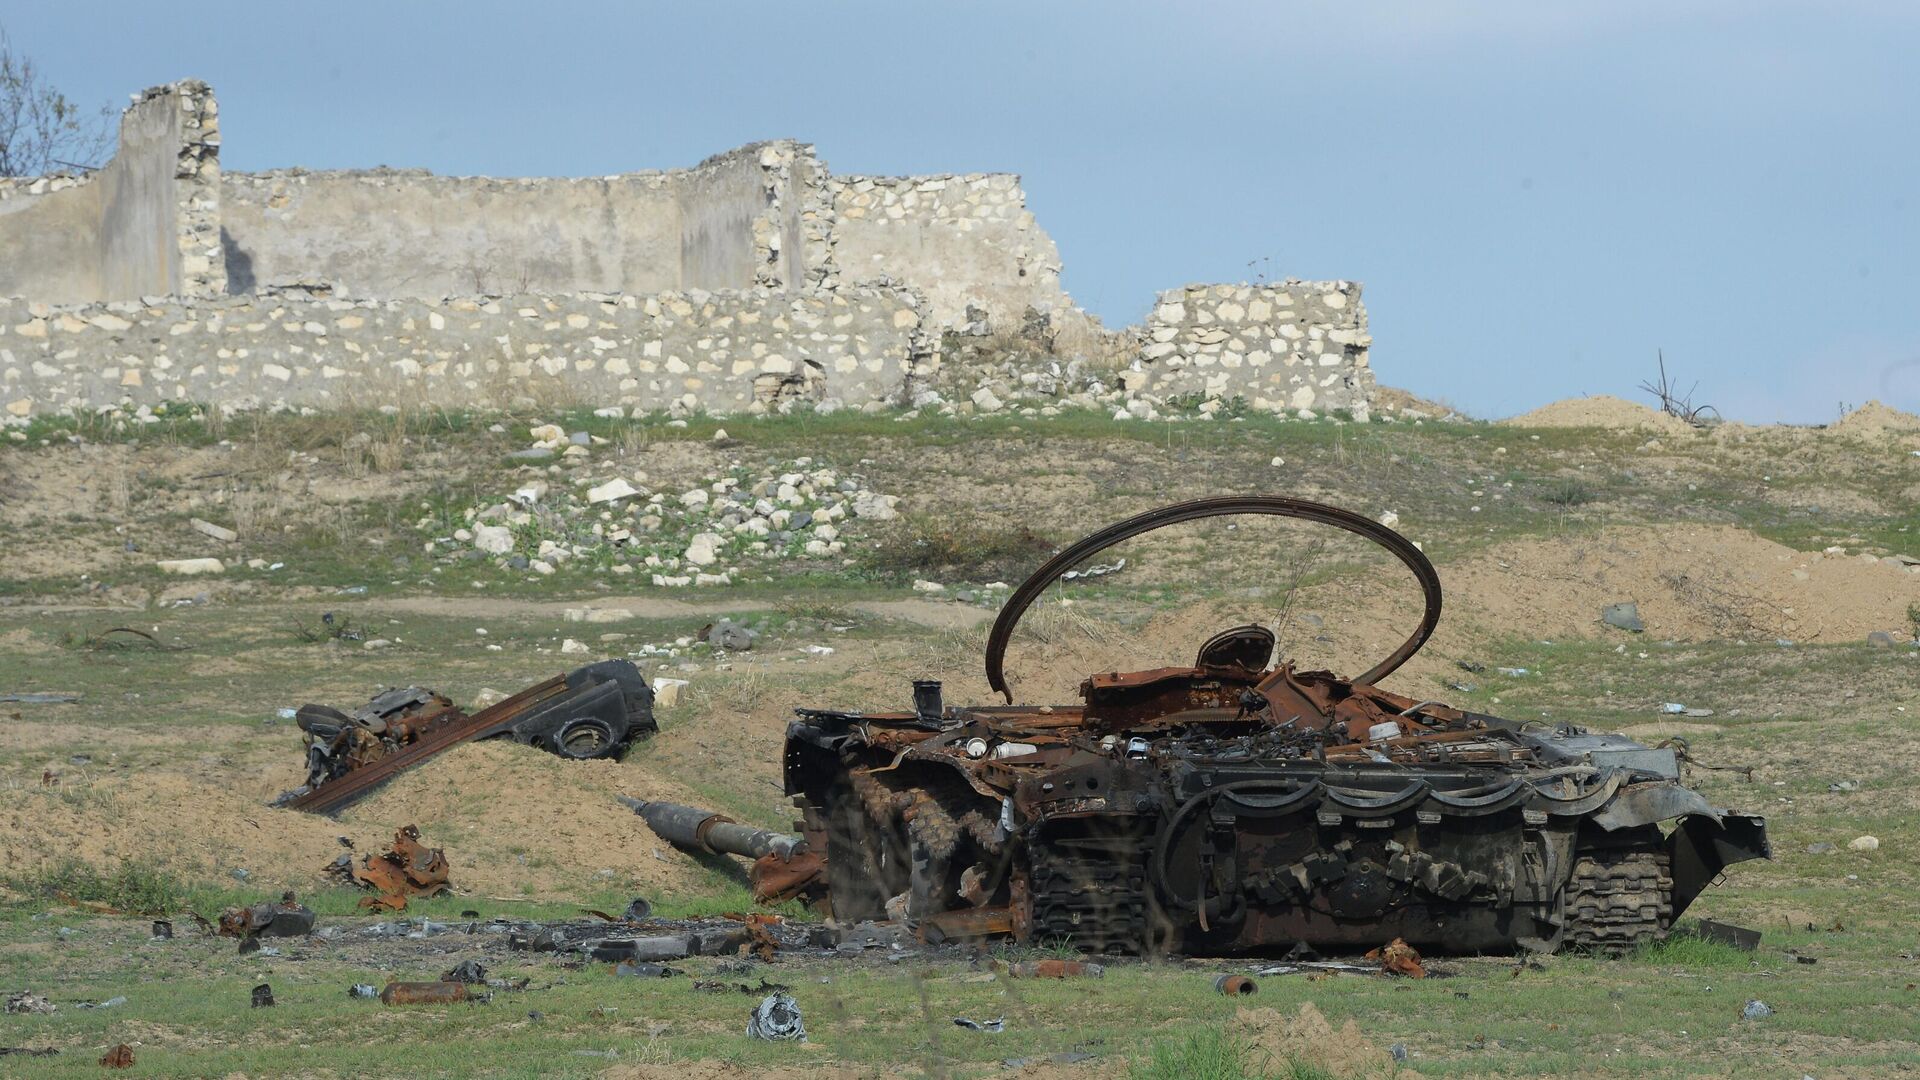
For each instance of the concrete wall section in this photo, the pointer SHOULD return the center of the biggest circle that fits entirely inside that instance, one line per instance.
(720, 352)
(386, 233)
(50, 242)
(719, 203)
(963, 240)
(1297, 345)
(146, 224)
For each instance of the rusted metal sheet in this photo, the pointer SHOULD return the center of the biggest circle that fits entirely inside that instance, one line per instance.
(285, 918)
(407, 869)
(590, 712)
(1241, 804)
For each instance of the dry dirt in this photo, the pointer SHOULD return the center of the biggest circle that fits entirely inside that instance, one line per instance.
(1879, 424)
(1600, 411)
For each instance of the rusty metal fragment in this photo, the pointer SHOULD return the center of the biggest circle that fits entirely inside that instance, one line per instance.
(427, 993)
(1398, 958)
(1240, 804)
(120, 1057)
(408, 868)
(285, 918)
(595, 711)
(1235, 986)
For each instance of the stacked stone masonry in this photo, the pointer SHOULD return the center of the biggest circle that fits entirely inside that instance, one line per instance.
(709, 352)
(1286, 347)
(753, 280)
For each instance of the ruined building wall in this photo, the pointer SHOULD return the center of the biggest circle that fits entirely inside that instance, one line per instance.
(963, 240)
(718, 352)
(386, 233)
(754, 279)
(147, 224)
(1283, 347)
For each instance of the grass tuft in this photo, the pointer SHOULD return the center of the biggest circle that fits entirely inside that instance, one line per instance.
(1211, 1053)
(964, 547)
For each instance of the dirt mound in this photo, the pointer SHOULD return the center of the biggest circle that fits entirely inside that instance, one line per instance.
(1281, 1045)
(1396, 402)
(1875, 422)
(517, 821)
(513, 821)
(193, 830)
(1690, 582)
(1600, 411)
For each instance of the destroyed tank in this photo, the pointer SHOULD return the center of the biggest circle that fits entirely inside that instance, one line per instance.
(1242, 806)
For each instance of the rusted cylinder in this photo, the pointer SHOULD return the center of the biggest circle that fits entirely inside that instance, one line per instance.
(424, 993)
(1235, 986)
(1056, 969)
(703, 830)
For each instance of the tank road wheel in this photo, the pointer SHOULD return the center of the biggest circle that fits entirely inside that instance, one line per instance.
(859, 883)
(1619, 899)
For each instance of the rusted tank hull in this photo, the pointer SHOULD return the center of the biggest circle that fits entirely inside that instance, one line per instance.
(1236, 807)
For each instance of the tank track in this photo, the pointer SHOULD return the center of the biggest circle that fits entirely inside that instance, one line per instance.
(1618, 900)
(1091, 892)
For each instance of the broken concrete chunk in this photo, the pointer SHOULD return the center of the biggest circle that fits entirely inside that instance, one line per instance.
(191, 567)
(1623, 616)
(217, 532)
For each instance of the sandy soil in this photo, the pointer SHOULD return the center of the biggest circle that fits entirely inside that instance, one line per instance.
(1601, 411)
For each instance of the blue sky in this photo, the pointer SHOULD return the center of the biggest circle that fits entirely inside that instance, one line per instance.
(1537, 195)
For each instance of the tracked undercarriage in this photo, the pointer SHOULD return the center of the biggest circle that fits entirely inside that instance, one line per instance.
(1239, 805)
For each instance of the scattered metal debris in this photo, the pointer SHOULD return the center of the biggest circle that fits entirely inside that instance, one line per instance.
(1056, 969)
(408, 868)
(40, 699)
(1756, 1010)
(428, 993)
(363, 990)
(287, 918)
(466, 971)
(28, 1051)
(1727, 934)
(1398, 958)
(263, 996)
(591, 712)
(28, 1003)
(1235, 986)
(777, 1017)
(1240, 804)
(994, 1026)
(162, 930)
(633, 969)
(120, 1057)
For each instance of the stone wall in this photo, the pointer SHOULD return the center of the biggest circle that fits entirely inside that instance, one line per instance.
(742, 351)
(147, 224)
(1286, 347)
(963, 240)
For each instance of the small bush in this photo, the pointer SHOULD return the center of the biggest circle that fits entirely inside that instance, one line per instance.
(1568, 493)
(132, 888)
(963, 547)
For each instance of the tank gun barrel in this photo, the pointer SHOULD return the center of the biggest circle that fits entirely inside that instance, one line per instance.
(695, 829)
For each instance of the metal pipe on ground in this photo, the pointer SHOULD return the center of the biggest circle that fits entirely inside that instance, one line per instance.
(704, 830)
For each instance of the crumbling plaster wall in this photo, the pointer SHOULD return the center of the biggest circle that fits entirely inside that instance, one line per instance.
(719, 352)
(963, 240)
(1284, 347)
(146, 224)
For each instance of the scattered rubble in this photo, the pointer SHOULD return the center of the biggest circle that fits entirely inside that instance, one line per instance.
(704, 535)
(28, 1003)
(407, 869)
